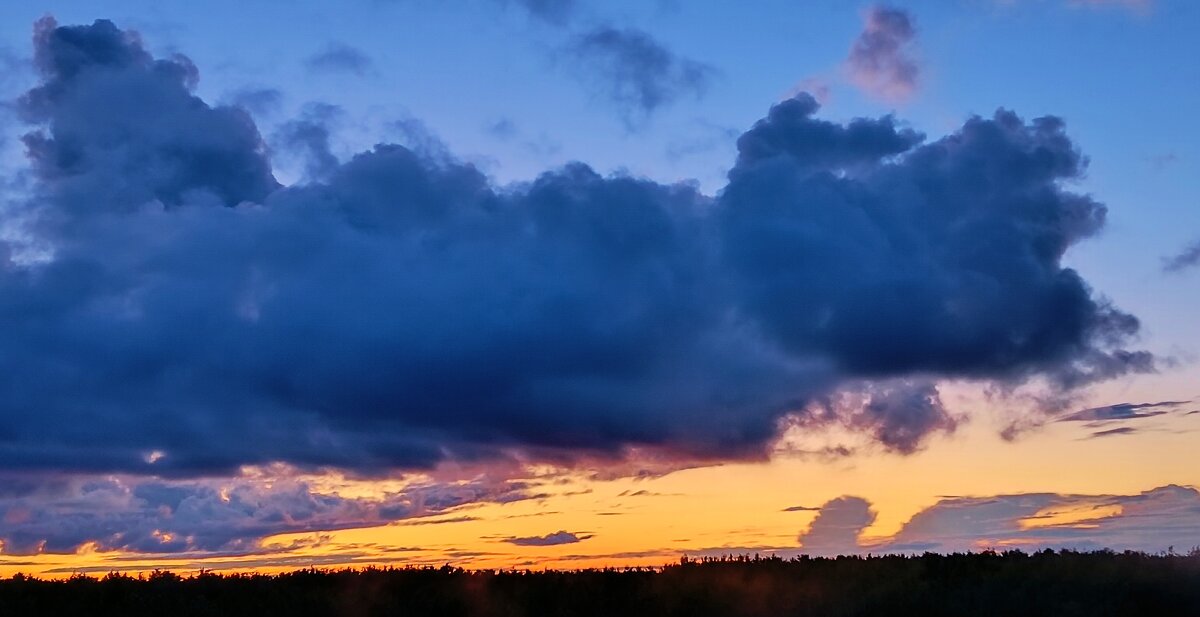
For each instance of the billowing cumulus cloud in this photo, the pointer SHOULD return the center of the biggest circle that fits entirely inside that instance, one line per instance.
(635, 71)
(186, 315)
(881, 60)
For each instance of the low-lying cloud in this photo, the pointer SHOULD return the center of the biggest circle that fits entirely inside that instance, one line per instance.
(1151, 521)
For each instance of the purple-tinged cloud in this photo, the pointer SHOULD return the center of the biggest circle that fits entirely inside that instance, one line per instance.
(208, 516)
(1123, 411)
(551, 539)
(899, 415)
(881, 61)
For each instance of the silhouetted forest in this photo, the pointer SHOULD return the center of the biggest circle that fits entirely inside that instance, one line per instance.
(1011, 583)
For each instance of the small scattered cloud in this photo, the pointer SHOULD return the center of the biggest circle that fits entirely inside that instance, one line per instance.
(340, 58)
(1123, 411)
(881, 61)
(1183, 260)
(550, 539)
(1113, 432)
(1160, 162)
(504, 129)
(802, 509)
(554, 12)
(1140, 6)
(636, 72)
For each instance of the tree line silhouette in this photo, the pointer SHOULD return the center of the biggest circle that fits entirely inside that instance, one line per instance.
(1062, 584)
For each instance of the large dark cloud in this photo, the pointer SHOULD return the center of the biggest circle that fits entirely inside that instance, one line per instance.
(190, 316)
(888, 256)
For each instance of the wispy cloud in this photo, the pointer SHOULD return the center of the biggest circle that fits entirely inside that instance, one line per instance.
(340, 58)
(635, 71)
(1123, 411)
(1183, 260)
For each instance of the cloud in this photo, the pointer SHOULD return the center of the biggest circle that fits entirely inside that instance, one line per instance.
(1150, 521)
(308, 137)
(1184, 260)
(880, 60)
(838, 525)
(258, 101)
(1123, 411)
(191, 316)
(900, 415)
(555, 12)
(635, 71)
(1113, 432)
(340, 58)
(212, 516)
(1135, 5)
(552, 539)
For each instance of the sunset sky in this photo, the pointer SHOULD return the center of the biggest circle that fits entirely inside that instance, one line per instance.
(570, 283)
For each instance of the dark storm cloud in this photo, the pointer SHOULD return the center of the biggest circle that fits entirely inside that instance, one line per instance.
(945, 260)
(880, 60)
(635, 71)
(552, 539)
(191, 316)
(1185, 259)
(339, 57)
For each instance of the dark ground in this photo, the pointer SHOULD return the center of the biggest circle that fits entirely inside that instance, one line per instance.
(1047, 583)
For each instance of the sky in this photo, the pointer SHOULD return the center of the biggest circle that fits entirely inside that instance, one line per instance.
(564, 283)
